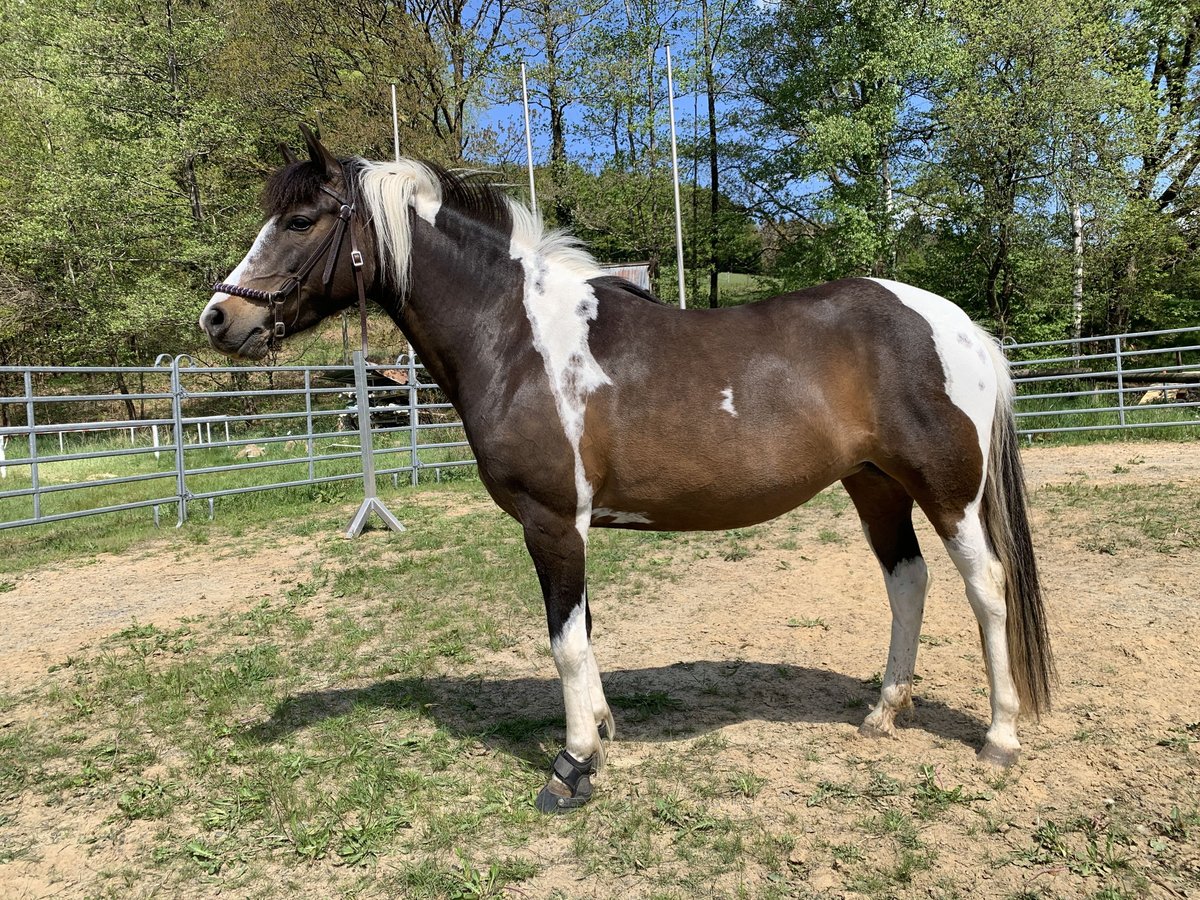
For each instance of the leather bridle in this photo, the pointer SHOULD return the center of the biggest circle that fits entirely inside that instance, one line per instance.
(329, 249)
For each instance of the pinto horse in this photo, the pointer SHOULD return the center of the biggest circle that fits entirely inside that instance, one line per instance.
(590, 404)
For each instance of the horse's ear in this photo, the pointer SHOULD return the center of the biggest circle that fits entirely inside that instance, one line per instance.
(288, 156)
(321, 157)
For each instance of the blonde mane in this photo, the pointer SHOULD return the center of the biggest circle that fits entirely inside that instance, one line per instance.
(390, 189)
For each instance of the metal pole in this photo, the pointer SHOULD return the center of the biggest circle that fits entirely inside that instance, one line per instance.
(396, 145)
(675, 179)
(395, 125)
(308, 419)
(33, 466)
(180, 464)
(413, 433)
(367, 445)
(528, 139)
(1120, 382)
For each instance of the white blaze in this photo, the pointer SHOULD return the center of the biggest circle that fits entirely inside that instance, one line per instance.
(245, 269)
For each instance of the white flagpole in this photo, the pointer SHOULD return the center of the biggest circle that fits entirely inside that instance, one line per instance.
(528, 139)
(396, 143)
(675, 178)
(395, 125)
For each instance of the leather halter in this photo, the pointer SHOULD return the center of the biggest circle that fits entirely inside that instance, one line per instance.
(331, 244)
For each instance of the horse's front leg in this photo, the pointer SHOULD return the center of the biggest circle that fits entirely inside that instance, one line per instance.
(559, 554)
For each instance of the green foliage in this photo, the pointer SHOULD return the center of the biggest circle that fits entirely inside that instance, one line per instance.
(946, 144)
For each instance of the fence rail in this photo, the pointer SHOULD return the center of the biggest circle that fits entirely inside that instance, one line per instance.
(193, 434)
(1134, 381)
(198, 439)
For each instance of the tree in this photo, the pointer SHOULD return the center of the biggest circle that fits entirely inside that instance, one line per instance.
(838, 112)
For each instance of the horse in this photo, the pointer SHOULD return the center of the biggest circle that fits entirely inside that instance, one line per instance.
(590, 404)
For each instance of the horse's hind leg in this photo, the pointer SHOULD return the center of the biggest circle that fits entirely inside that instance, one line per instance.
(984, 577)
(885, 509)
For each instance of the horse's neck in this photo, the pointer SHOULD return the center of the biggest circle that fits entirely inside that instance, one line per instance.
(465, 296)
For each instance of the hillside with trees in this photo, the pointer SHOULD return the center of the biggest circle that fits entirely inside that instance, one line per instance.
(1034, 161)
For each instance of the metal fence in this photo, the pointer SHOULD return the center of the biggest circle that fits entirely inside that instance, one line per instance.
(190, 434)
(81, 441)
(1141, 380)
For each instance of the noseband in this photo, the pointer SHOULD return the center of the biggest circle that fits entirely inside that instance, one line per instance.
(331, 244)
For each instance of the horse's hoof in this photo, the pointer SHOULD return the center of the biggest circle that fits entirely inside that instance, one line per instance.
(570, 785)
(867, 730)
(1000, 757)
(550, 801)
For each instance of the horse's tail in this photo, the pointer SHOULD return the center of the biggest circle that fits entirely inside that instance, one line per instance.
(1006, 518)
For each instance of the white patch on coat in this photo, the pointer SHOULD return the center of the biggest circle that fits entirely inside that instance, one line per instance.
(968, 354)
(561, 305)
(245, 269)
(727, 401)
(620, 518)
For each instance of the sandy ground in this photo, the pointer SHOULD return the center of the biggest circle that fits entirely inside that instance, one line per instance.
(1126, 625)
(52, 613)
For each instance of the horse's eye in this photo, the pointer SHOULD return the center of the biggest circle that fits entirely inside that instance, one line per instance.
(299, 223)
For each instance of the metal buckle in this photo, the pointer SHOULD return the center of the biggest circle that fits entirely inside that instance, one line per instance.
(280, 328)
(356, 257)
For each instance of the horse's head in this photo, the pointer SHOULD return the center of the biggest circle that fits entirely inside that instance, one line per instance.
(303, 264)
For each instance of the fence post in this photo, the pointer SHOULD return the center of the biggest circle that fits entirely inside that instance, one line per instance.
(33, 465)
(308, 421)
(1120, 382)
(413, 413)
(177, 395)
(366, 443)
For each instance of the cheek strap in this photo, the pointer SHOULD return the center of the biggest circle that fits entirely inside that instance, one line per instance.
(330, 249)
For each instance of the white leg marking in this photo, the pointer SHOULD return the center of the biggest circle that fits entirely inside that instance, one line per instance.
(727, 401)
(984, 577)
(245, 269)
(600, 710)
(575, 663)
(907, 588)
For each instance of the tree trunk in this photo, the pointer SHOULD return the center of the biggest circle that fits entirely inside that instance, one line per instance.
(886, 262)
(130, 409)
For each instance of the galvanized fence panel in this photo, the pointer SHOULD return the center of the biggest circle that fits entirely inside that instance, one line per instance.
(208, 432)
(1134, 381)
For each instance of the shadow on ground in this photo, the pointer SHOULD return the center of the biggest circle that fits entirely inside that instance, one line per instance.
(652, 704)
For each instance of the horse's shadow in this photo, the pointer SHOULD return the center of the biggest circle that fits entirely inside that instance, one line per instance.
(664, 703)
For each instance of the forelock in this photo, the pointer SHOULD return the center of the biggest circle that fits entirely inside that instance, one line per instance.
(297, 182)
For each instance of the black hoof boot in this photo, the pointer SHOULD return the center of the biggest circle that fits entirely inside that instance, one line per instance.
(570, 785)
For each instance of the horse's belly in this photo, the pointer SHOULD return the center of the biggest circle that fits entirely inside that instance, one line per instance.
(730, 499)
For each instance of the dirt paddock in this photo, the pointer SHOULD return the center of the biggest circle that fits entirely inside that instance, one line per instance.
(774, 650)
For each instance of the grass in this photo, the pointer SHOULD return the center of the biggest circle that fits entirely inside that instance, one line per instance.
(1102, 427)
(371, 729)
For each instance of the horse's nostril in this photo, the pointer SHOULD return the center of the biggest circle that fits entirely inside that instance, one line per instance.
(212, 319)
